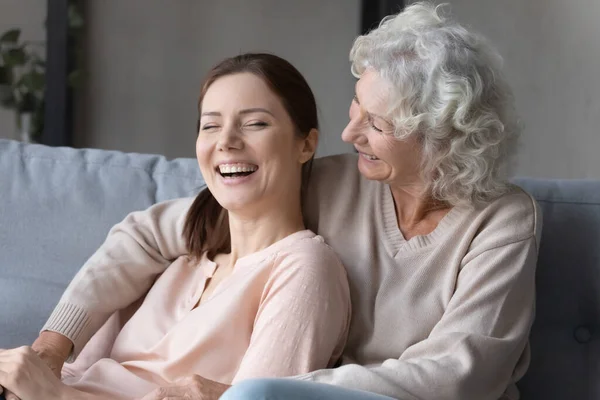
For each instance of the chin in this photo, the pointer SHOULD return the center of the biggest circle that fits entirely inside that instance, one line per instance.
(238, 204)
(367, 173)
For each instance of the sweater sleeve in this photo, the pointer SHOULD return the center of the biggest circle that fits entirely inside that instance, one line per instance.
(472, 351)
(135, 251)
(303, 317)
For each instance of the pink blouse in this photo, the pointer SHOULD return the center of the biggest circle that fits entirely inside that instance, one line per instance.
(283, 311)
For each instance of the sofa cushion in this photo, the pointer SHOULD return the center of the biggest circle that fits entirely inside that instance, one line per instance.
(56, 207)
(565, 339)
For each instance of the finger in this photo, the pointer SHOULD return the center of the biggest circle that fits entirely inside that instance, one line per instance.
(11, 353)
(10, 395)
(4, 378)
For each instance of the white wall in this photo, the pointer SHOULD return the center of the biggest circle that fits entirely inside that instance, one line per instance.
(29, 16)
(551, 50)
(146, 59)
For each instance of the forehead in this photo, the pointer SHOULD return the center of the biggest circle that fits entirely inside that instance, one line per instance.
(240, 90)
(373, 92)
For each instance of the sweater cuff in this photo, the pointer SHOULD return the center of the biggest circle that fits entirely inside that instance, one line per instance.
(71, 321)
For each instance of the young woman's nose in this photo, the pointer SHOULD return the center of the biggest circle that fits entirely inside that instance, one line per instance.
(229, 138)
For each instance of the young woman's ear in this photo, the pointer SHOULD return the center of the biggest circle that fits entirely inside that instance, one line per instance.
(309, 146)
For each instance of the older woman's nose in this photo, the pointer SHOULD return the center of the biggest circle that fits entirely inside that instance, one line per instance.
(352, 133)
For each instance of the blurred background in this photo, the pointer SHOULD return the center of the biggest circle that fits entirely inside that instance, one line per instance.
(125, 74)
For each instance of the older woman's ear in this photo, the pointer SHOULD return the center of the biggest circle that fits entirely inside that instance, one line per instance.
(309, 146)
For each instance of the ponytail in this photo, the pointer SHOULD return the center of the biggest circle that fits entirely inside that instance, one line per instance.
(206, 227)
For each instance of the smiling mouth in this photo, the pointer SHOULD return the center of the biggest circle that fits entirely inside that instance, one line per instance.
(236, 170)
(369, 157)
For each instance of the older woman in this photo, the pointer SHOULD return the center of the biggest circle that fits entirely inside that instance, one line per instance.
(440, 249)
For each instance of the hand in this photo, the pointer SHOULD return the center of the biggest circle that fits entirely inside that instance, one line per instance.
(26, 375)
(51, 347)
(193, 387)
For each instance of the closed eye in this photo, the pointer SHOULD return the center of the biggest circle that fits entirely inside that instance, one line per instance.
(372, 123)
(257, 124)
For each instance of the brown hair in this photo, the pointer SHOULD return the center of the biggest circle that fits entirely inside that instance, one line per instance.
(206, 226)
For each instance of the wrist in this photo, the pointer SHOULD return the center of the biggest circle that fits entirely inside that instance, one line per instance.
(53, 344)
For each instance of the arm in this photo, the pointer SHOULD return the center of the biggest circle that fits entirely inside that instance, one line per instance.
(303, 318)
(473, 350)
(118, 273)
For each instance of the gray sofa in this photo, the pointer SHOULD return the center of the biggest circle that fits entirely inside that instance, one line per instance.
(57, 205)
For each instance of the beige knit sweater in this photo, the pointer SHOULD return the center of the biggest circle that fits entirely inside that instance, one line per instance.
(441, 316)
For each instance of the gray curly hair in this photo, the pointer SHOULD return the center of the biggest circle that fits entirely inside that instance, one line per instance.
(449, 91)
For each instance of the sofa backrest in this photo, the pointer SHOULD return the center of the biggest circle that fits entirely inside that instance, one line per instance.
(565, 345)
(56, 207)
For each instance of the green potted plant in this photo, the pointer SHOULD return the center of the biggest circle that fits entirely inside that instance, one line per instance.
(23, 74)
(22, 83)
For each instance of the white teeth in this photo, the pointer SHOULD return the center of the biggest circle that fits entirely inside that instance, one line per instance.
(236, 168)
(370, 157)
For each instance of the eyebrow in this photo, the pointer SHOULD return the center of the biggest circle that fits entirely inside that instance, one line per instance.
(371, 114)
(245, 111)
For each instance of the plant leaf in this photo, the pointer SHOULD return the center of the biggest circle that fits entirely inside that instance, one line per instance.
(75, 79)
(15, 57)
(74, 18)
(10, 36)
(32, 81)
(5, 75)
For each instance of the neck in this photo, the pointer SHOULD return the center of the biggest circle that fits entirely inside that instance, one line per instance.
(414, 205)
(253, 232)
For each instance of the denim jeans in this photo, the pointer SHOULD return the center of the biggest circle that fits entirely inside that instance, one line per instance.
(290, 389)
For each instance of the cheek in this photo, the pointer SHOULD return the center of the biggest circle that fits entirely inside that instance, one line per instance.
(203, 150)
(273, 145)
(383, 148)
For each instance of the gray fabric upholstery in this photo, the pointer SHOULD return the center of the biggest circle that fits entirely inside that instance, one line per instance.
(565, 337)
(57, 204)
(56, 207)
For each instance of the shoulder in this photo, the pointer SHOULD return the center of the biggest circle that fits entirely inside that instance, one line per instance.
(309, 256)
(176, 206)
(335, 188)
(334, 169)
(339, 160)
(511, 218)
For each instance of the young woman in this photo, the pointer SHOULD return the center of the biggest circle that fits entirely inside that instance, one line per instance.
(257, 295)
